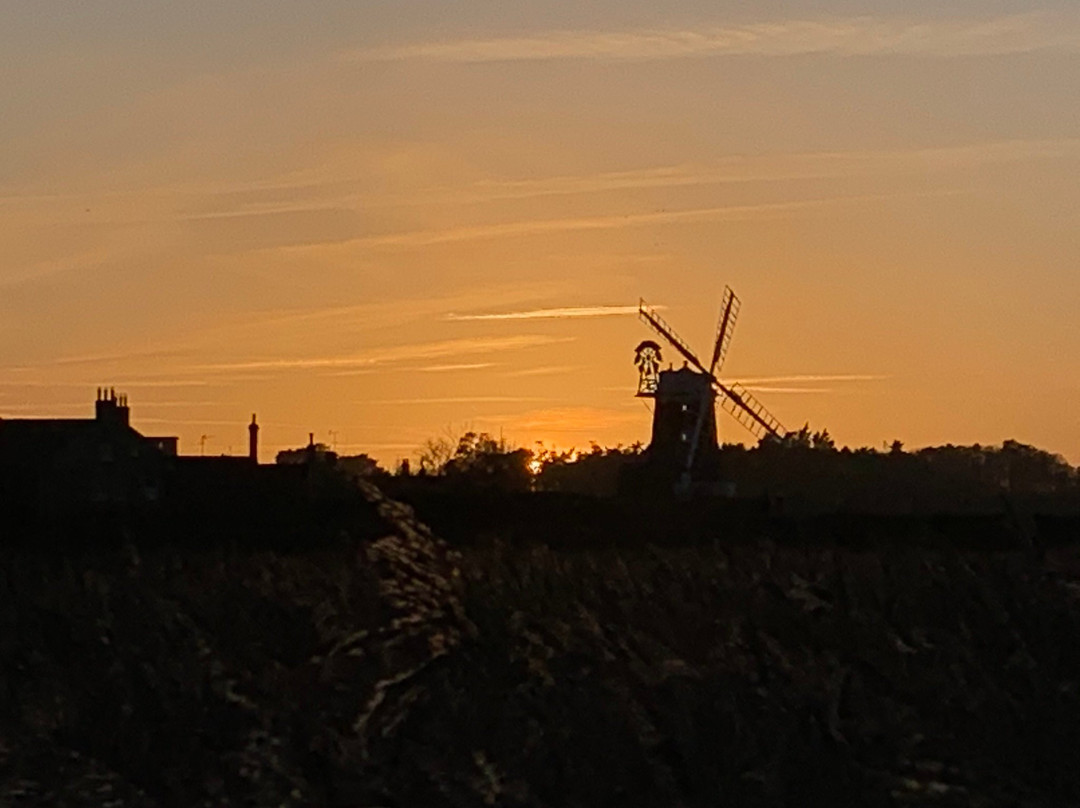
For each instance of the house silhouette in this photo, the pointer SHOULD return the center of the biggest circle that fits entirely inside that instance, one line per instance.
(59, 463)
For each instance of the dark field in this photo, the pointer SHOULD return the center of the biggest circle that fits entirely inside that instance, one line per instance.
(403, 673)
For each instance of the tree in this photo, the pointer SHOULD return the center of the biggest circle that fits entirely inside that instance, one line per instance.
(435, 454)
(477, 459)
(481, 460)
(595, 472)
(801, 439)
(822, 441)
(1027, 468)
(360, 465)
(313, 452)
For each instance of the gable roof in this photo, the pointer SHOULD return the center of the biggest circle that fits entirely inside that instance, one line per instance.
(46, 436)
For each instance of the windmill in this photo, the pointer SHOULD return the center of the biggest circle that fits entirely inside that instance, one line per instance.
(684, 420)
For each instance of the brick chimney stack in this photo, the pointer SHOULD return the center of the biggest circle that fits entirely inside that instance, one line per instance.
(112, 409)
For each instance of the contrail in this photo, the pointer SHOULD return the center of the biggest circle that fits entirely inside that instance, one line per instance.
(550, 314)
(540, 227)
(806, 378)
(394, 354)
(452, 400)
(755, 388)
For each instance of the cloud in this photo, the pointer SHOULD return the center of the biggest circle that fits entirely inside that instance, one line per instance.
(375, 447)
(742, 169)
(392, 354)
(238, 423)
(570, 419)
(375, 316)
(783, 384)
(549, 370)
(454, 368)
(550, 314)
(93, 385)
(754, 388)
(119, 357)
(731, 170)
(424, 238)
(766, 380)
(772, 167)
(452, 400)
(854, 36)
(82, 406)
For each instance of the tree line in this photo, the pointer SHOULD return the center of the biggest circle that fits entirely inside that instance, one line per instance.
(804, 464)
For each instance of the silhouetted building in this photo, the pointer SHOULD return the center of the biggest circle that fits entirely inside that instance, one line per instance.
(48, 463)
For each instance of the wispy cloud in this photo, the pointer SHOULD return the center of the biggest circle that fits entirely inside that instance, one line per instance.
(733, 170)
(379, 315)
(764, 388)
(392, 354)
(81, 406)
(454, 368)
(375, 447)
(91, 385)
(797, 384)
(845, 377)
(568, 420)
(126, 356)
(517, 229)
(453, 400)
(550, 314)
(854, 36)
(771, 167)
(741, 169)
(548, 370)
(237, 424)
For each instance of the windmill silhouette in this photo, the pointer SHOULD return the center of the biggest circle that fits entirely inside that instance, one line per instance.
(684, 437)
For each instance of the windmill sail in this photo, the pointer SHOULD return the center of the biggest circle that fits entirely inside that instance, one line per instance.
(748, 411)
(658, 323)
(729, 313)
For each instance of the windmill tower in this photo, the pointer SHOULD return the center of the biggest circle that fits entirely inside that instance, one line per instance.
(684, 437)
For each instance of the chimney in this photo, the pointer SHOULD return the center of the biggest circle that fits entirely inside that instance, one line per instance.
(112, 409)
(253, 440)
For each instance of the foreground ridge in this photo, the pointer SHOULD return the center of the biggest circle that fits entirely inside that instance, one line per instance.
(388, 668)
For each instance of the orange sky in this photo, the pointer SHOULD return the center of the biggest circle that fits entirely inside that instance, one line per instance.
(245, 208)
